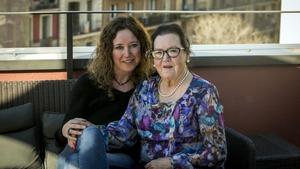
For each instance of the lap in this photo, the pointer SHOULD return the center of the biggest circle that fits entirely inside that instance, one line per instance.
(88, 142)
(119, 160)
(115, 160)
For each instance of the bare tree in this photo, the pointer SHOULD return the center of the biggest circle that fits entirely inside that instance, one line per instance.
(224, 29)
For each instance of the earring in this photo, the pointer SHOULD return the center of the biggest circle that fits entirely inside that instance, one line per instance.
(153, 65)
(188, 61)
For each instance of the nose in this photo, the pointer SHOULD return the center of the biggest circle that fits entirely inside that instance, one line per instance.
(126, 51)
(167, 58)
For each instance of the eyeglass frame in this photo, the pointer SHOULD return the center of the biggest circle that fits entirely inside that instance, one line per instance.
(166, 51)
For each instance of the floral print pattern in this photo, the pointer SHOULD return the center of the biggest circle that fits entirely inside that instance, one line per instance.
(190, 130)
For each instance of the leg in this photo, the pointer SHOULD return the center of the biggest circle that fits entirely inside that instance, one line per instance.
(67, 159)
(119, 160)
(91, 149)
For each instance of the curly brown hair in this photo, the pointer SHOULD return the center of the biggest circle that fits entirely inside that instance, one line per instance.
(100, 68)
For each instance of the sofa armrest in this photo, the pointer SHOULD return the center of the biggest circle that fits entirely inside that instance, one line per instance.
(240, 150)
(16, 118)
(20, 138)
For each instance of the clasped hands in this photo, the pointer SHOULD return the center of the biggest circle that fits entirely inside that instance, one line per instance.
(73, 128)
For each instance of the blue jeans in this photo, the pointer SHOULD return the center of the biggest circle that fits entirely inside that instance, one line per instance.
(90, 153)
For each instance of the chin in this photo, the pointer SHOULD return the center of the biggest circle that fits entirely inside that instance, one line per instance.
(129, 69)
(166, 77)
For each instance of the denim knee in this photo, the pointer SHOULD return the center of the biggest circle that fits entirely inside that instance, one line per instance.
(66, 157)
(90, 136)
(91, 149)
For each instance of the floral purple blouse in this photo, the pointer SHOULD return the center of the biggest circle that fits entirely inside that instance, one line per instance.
(190, 131)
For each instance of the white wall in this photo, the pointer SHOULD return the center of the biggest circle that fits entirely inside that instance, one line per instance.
(290, 22)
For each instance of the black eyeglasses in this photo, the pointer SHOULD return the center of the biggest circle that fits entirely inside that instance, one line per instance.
(172, 52)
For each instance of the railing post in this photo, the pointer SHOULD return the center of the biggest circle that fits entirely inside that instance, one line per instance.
(69, 63)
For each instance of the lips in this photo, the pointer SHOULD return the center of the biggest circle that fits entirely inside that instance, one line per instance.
(128, 61)
(167, 66)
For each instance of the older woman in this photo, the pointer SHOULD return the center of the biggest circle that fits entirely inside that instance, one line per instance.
(176, 115)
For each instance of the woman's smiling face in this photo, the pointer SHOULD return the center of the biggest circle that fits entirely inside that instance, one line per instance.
(126, 51)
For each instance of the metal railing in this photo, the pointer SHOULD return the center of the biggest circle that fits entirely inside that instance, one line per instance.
(69, 14)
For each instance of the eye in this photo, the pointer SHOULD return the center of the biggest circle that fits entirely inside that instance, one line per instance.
(134, 45)
(173, 51)
(157, 54)
(118, 47)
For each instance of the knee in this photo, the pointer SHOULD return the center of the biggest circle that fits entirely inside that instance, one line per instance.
(90, 134)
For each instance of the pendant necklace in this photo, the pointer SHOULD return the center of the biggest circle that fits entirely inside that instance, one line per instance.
(175, 89)
(121, 83)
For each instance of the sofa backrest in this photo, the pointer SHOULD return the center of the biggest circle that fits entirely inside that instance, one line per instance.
(49, 95)
(42, 96)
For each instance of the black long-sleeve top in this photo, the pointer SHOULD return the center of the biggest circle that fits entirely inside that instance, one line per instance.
(93, 104)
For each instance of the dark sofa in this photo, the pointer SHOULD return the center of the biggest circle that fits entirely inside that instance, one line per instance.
(31, 112)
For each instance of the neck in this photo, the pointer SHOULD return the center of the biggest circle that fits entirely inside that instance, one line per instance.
(180, 81)
(171, 83)
(122, 78)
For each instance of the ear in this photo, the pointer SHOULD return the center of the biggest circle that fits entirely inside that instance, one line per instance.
(187, 59)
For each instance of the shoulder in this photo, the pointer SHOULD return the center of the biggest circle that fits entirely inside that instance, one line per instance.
(85, 80)
(149, 83)
(206, 97)
(198, 81)
(84, 83)
(146, 89)
(202, 87)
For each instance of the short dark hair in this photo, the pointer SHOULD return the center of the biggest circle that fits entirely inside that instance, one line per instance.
(174, 29)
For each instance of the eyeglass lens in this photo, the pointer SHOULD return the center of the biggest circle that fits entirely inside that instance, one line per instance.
(171, 52)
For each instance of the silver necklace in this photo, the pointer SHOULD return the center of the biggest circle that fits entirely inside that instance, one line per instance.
(175, 89)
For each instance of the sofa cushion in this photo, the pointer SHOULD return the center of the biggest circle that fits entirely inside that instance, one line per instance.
(18, 138)
(51, 122)
(18, 150)
(16, 118)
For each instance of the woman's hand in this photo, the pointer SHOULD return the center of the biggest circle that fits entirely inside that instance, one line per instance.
(160, 163)
(73, 128)
(72, 144)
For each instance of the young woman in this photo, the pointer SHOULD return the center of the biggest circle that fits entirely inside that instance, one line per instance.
(101, 95)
